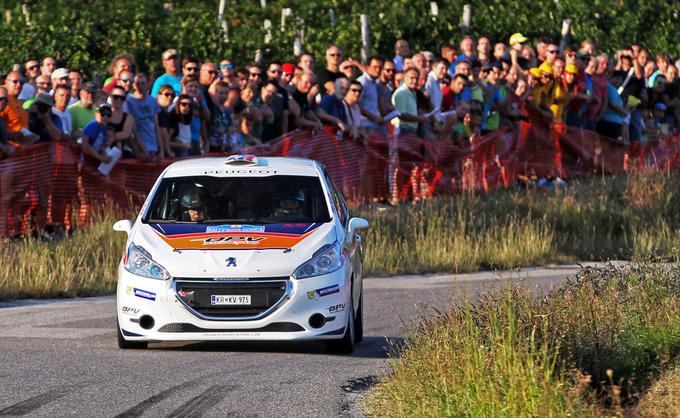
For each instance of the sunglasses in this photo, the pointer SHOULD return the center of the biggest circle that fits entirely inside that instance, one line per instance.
(191, 68)
(125, 80)
(553, 51)
(106, 114)
(185, 104)
(275, 71)
(117, 97)
(256, 74)
(223, 66)
(388, 70)
(355, 90)
(166, 94)
(15, 81)
(33, 67)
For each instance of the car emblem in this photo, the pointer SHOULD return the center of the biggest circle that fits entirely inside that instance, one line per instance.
(231, 262)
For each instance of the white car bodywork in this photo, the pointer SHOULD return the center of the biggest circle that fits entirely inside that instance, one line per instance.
(247, 271)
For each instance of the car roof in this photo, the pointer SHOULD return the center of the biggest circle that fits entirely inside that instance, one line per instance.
(243, 165)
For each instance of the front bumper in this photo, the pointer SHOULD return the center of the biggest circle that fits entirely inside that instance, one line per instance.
(139, 299)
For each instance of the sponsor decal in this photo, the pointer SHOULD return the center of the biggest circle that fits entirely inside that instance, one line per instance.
(246, 158)
(144, 294)
(130, 310)
(324, 291)
(231, 262)
(235, 228)
(197, 236)
(336, 308)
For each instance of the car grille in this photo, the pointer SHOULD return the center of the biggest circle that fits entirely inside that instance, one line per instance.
(265, 295)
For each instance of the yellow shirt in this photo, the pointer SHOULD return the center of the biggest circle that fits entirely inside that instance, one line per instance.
(559, 104)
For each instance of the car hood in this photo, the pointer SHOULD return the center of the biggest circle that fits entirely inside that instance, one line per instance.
(216, 251)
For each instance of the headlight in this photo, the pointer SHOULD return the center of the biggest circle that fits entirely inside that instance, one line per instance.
(326, 260)
(139, 262)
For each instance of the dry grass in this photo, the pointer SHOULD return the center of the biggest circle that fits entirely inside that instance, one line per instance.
(588, 349)
(663, 398)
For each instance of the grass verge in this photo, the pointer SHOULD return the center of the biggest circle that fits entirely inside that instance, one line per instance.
(587, 349)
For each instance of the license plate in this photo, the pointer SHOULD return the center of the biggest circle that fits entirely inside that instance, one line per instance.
(230, 299)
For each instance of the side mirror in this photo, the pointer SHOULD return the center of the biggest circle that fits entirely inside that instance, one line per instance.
(357, 223)
(124, 225)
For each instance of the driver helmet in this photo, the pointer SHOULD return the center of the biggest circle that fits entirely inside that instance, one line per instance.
(193, 199)
(290, 204)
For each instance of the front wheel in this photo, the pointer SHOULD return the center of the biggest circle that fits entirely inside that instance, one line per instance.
(125, 344)
(346, 344)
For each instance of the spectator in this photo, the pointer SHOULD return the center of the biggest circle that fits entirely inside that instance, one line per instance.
(5, 148)
(500, 51)
(279, 104)
(612, 122)
(326, 77)
(401, 51)
(287, 75)
(82, 112)
(48, 65)
(271, 102)
(405, 101)
(518, 60)
(62, 94)
(207, 76)
(32, 71)
(226, 70)
(121, 62)
(190, 66)
(353, 111)
(448, 52)
(42, 120)
(172, 75)
(433, 83)
(220, 117)
(60, 78)
(370, 103)
(542, 49)
(452, 94)
(332, 110)
(165, 99)
(96, 140)
(417, 61)
(552, 52)
(494, 98)
(429, 60)
(484, 50)
(307, 61)
(180, 126)
(14, 116)
(121, 126)
(145, 110)
(76, 83)
(127, 78)
(201, 115)
(42, 85)
(467, 50)
(305, 118)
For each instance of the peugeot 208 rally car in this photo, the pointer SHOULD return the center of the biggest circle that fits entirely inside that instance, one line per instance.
(242, 248)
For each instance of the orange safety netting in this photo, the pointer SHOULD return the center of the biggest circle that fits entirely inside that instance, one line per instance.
(51, 183)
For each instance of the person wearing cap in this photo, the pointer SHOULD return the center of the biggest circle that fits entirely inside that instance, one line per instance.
(95, 136)
(287, 75)
(42, 121)
(578, 96)
(82, 112)
(661, 121)
(59, 78)
(517, 60)
(172, 76)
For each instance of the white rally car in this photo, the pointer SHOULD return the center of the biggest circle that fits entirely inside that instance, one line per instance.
(242, 248)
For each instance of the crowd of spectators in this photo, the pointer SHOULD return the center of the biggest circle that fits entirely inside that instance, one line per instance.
(197, 106)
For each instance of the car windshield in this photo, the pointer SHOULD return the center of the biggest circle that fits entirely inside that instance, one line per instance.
(239, 200)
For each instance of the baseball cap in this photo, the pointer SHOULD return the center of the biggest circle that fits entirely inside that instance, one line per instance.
(535, 72)
(169, 54)
(660, 106)
(44, 98)
(571, 69)
(59, 73)
(546, 68)
(288, 68)
(517, 38)
(90, 87)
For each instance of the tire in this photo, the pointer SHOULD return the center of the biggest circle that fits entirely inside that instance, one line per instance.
(126, 345)
(359, 322)
(346, 344)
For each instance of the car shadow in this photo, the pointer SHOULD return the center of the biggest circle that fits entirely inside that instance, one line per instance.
(370, 347)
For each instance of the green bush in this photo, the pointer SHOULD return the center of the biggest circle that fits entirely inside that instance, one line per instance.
(88, 34)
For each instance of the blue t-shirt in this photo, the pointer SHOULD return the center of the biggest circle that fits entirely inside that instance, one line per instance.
(610, 115)
(173, 80)
(97, 135)
(331, 104)
(144, 111)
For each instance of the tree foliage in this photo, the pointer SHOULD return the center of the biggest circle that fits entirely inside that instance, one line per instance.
(87, 34)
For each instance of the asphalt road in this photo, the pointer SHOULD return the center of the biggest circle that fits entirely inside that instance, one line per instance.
(60, 358)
